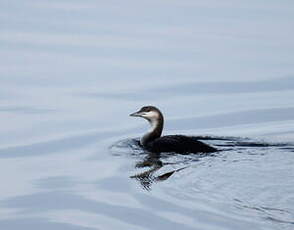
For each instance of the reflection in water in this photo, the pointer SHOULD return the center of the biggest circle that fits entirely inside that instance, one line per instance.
(147, 178)
(153, 161)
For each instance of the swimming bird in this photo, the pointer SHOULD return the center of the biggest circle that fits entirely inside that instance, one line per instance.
(155, 143)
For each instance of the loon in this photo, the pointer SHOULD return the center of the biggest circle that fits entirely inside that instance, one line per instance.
(153, 142)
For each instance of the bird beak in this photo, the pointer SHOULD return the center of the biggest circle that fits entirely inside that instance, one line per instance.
(136, 114)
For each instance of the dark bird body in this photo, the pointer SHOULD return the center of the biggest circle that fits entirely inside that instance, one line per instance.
(153, 142)
(179, 144)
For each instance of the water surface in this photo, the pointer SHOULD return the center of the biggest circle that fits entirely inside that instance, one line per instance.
(70, 74)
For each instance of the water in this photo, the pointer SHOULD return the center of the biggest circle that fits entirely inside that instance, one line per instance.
(72, 71)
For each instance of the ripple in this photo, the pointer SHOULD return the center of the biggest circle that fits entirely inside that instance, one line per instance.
(66, 201)
(192, 88)
(277, 215)
(25, 110)
(158, 168)
(235, 118)
(35, 223)
(56, 145)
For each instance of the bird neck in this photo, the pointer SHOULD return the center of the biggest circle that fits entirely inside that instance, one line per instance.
(154, 132)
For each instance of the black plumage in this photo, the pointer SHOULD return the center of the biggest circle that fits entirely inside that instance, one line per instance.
(178, 144)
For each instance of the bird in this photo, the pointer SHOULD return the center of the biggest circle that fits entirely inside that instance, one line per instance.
(153, 142)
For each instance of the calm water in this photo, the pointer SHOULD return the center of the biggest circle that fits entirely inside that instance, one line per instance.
(72, 71)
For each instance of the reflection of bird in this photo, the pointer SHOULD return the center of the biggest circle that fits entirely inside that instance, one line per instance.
(147, 178)
(153, 142)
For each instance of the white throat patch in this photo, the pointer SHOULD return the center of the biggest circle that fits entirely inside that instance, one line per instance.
(151, 115)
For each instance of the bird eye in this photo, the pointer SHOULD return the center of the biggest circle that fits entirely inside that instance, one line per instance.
(146, 109)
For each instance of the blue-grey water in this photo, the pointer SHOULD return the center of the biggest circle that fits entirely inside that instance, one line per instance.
(72, 71)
